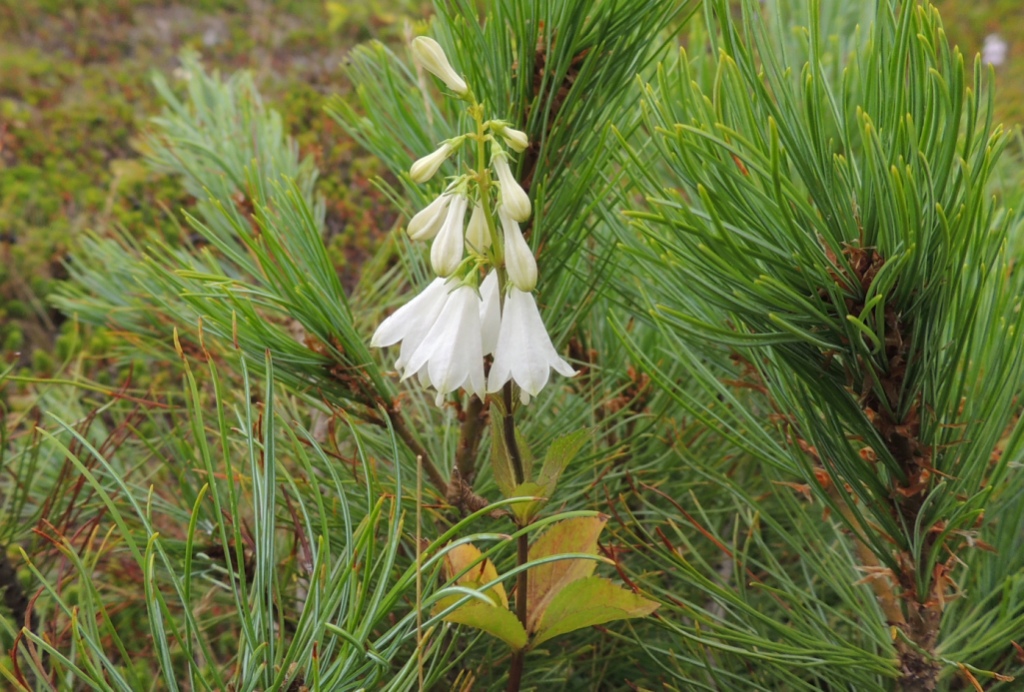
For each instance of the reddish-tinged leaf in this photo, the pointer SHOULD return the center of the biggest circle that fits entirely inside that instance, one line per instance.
(496, 621)
(577, 535)
(588, 602)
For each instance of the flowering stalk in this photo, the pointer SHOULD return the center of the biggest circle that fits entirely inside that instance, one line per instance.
(515, 333)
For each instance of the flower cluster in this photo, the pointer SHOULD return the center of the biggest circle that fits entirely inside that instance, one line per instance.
(448, 329)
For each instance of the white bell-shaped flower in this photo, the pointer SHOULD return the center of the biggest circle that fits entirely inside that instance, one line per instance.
(411, 322)
(426, 224)
(515, 139)
(513, 197)
(490, 312)
(451, 356)
(524, 352)
(423, 169)
(478, 236)
(446, 252)
(429, 53)
(519, 260)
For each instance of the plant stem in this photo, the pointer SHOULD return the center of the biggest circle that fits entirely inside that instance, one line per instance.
(515, 675)
(510, 434)
(469, 439)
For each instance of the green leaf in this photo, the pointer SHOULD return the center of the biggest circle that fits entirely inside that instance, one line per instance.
(501, 464)
(526, 455)
(588, 602)
(496, 621)
(560, 453)
(578, 535)
(501, 461)
(527, 510)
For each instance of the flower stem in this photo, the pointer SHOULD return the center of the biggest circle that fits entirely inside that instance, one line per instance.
(515, 674)
(510, 434)
(469, 439)
(484, 182)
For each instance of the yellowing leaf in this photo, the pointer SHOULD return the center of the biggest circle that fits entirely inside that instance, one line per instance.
(496, 621)
(587, 602)
(578, 535)
(478, 571)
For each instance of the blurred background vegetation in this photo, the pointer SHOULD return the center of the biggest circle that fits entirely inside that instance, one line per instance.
(75, 93)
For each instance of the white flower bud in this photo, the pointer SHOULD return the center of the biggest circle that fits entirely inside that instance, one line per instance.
(446, 252)
(513, 197)
(427, 222)
(519, 260)
(477, 234)
(516, 139)
(430, 55)
(425, 168)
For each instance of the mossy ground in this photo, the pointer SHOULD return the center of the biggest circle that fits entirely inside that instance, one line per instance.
(75, 93)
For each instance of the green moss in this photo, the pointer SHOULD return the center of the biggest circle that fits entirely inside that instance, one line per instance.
(16, 309)
(13, 340)
(42, 361)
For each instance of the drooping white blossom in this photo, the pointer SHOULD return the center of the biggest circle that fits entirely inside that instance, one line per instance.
(519, 260)
(446, 252)
(451, 355)
(430, 55)
(513, 197)
(411, 322)
(524, 352)
(423, 169)
(426, 224)
(478, 235)
(490, 312)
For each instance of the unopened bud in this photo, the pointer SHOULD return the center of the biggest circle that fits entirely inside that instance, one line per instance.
(513, 197)
(427, 222)
(516, 139)
(425, 168)
(429, 53)
(478, 235)
(519, 261)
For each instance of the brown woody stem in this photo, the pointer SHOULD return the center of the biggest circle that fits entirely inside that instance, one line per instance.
(515, 675)
(469, 439)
